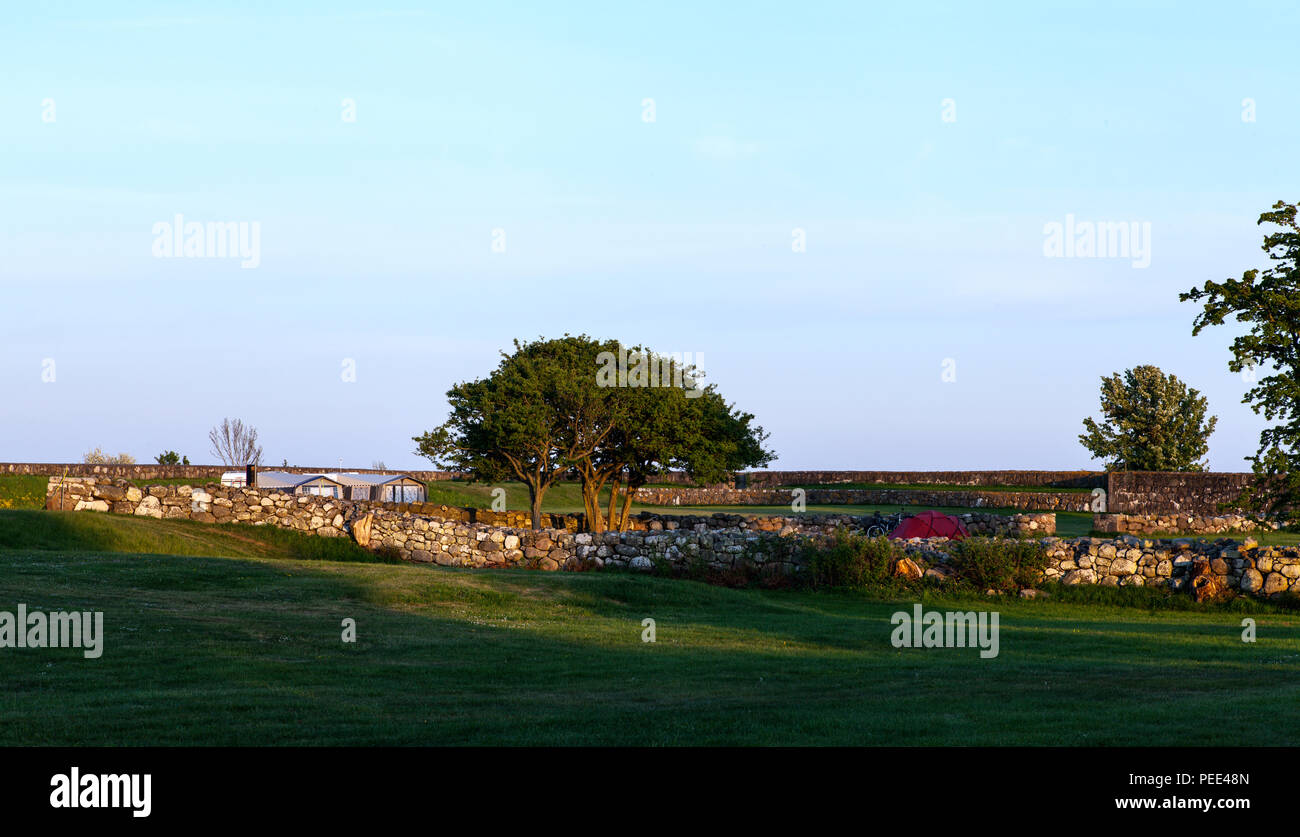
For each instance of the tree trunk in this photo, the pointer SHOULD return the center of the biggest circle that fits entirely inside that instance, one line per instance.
(615, 522)
(535, 501)
(591, 502)
(627, 507)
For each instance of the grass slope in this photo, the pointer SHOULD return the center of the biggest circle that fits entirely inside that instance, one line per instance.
(247, 650)
(92, 531)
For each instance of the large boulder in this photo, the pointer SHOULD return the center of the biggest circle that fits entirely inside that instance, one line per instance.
(150, 506)
(1087, 576)
(1275, 583)
(907, 569)
(1206, 585)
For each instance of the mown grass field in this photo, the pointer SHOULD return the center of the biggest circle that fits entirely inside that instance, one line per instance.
(243, 647)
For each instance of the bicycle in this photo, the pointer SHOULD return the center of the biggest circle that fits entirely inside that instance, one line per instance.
(890, 523)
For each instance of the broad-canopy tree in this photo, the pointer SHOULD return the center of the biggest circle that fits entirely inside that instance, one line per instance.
(680, 425)
(532, 419)
(1268, 302)
(1151, 422)
(546, 413)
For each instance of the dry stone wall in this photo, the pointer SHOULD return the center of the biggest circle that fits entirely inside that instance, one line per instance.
(143, 472)
(1128, 492)
(977, 523)
(1167, 492)
(768, 545)
(1183, 524)
(221, 504)
(1207, 570)
(1076, 501)
(1052, 479)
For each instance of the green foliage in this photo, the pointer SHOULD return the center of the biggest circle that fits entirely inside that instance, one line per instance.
(533, 418)
(171, 457)
(1004, 565)
(550, 409)
(857, 562)
(851, 560)
(678, 425)
(721, 441)
(1268, 301)
(1152, 422)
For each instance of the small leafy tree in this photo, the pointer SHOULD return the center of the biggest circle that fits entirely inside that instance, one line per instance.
(1268, 301)
(235, 443)
(171, 457)
(1151, 422)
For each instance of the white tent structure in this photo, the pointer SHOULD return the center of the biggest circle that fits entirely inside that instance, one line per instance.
(320, 485)
(383, 488)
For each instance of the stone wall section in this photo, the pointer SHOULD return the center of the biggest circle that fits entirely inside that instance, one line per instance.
(722, 542)
(1183, 523)
(1075, 501)
(1050, 479)
(1167, 492)
(143, 472)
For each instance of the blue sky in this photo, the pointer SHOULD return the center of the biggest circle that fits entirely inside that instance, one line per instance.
(924, 236)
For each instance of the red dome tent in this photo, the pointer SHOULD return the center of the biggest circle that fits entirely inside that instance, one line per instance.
(931, 524)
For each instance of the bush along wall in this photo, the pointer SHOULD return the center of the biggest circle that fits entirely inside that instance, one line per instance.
(791, 550)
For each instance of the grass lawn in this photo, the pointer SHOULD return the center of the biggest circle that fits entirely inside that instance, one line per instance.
(18, 491)
(244, 648)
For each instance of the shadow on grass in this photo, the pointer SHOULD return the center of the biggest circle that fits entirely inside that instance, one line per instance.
(234, 651)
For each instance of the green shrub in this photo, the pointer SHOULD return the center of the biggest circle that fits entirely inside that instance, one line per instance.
(851, 560)
(1007, 565)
